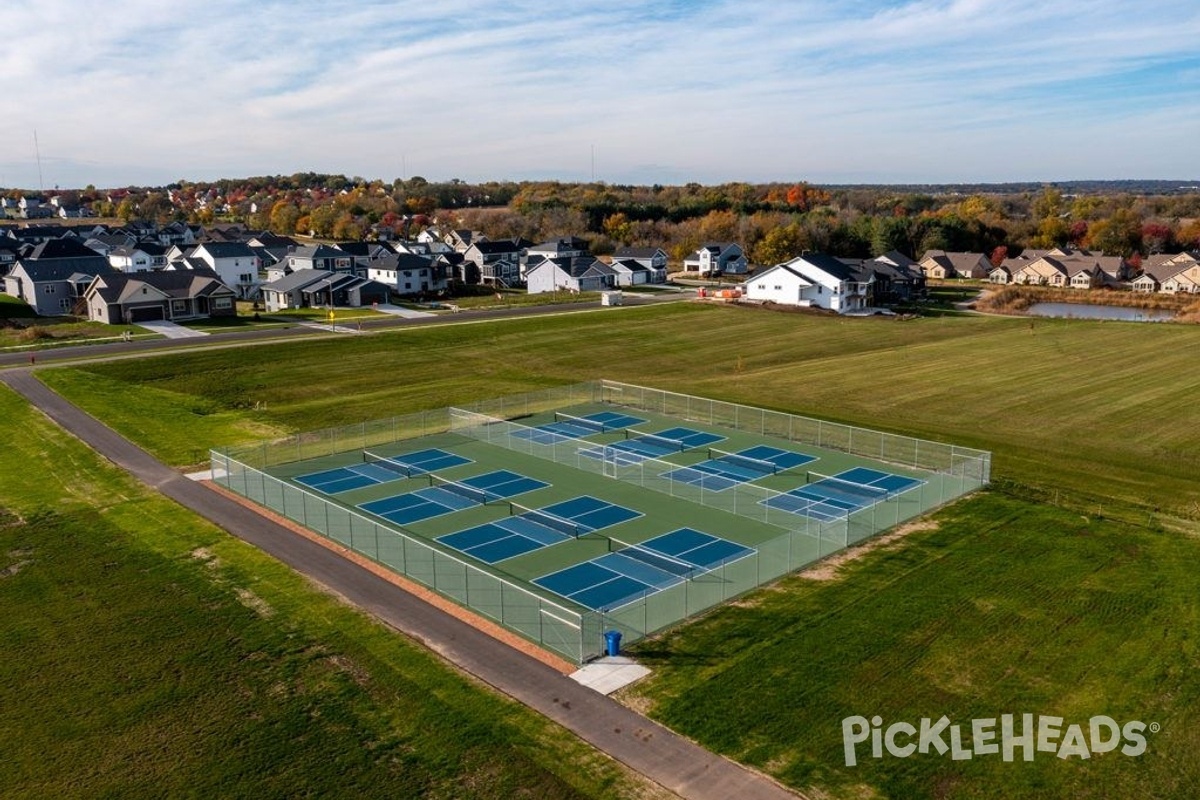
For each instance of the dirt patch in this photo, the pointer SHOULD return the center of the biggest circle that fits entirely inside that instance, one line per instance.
(630, 698)
(255, 603)
(829, 569)
(13, 569)
(205, 555)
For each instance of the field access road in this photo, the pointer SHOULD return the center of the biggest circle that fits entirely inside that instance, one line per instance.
(646, 747)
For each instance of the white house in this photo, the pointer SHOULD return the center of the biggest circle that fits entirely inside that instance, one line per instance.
(137, 258)
(813, 280)
(717, 258)
(234, 262)
(406, 273)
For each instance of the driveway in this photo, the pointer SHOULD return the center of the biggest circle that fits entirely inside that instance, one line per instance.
(397, 311)
(171, 330)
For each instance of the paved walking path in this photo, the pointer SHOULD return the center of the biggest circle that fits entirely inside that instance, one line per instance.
(647, 747)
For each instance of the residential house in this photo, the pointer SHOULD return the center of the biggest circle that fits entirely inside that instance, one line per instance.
(363, 254)
(570, 274)
(630, 272)
(74, 212)
(717, 258)
(32, 206)
(568, 247)
(497, 261)
(892, 277)
(943, 264)
(813, 280)
(8, 257)
(654, 259)
(1075, 271)
(316, 288)
(1161, 269)
(319, 256)
(120, 297)
(53, 275)
(133, 259)
(234, 262)
(461, 239)
(227, 232)
(36, 234)
(408, 274)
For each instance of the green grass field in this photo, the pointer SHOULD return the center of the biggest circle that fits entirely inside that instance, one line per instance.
(1088, 410)
(155, 656)
(1012, 605)
(1005, 607)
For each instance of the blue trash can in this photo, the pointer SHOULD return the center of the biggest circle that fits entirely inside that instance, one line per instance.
(612, 643)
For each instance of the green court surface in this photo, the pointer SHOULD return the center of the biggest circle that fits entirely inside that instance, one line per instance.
(566, 515)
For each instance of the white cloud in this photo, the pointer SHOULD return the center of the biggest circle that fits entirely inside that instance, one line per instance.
(967, 89)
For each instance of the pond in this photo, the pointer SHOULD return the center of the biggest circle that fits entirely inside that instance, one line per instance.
(1082, 311)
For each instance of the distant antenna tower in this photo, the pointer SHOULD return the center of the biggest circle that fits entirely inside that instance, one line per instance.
(38, 152)
(593, 163)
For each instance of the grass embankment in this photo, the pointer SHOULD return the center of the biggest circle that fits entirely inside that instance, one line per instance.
(1007, 607)
(144, 653)
(1079, 409)
(21, 328)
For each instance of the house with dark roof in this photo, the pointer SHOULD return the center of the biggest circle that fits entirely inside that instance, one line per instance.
(409, 274)
(570, 274)
(813, 280)
(497, 261)
(654, 259)
(631, 272)
(316, 288)
(319, 256)
(890, 278)
(943, 264)
(116, 298)
(52, 277)
(142, 257)
(717, 258)
(8, 256)
(235, 263)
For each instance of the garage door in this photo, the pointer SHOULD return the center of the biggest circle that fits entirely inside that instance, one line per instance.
(146, 313)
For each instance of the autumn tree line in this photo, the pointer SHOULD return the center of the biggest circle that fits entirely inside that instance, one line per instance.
(773, 222)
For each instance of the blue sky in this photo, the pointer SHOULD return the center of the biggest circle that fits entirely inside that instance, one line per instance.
(145, 92)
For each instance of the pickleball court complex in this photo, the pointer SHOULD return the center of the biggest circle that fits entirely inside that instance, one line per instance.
(599, 506)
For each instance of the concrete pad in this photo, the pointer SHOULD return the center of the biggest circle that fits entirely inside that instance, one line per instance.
(335, 328)
(397, 311)
(606, 675)
(205, 475)
(170, 329)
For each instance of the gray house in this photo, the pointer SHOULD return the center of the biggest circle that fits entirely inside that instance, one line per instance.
(578, 274)
(54, 275)
(145, 296)
(314, 288)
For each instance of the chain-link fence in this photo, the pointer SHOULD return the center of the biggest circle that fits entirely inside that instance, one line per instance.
(947, 472)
